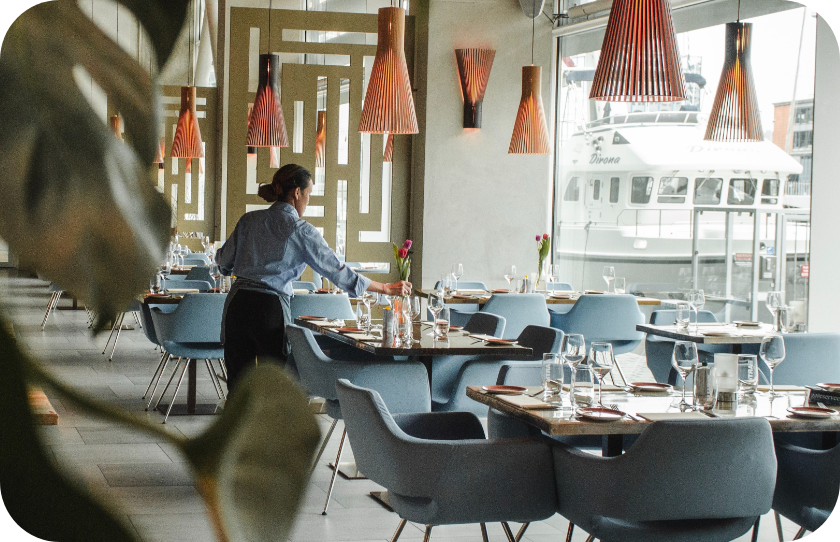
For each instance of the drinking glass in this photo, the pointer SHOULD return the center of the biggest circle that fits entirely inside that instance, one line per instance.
(404, 327)
(574, 349)
(696, 298)
(775, 301)
(549, 279)
(601, 360)
(555, 273)
(457, 273)
(510, 274)
(415, 308)
(215, 273)
(153, 284)
(441, 328)
(582, 388)
(609, 276)
(552, 378)
(705, 387)
(358, 312)
(747, 374)
(436, 304)
(683, 316)
(619, 285)
(772, 351)
(684, 360)
(446, 284)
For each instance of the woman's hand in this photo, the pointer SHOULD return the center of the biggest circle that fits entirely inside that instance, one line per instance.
(396, 289)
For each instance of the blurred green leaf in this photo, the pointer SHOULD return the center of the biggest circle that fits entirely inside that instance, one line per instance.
(36, 495)
(79, 206)
(252, 465)
(163, 19)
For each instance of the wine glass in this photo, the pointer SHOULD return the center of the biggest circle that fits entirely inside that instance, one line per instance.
(609, 275)
(457, 273)
(510, 274)
(601, 360)
(414, 312)
(684, 360)
(369, 298)
(215, 273)
(772, 351)
(775, 301)
(696, 299)
(436, 304)
(574, 349)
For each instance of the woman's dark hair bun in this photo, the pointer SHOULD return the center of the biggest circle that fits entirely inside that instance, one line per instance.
(267, 192)
(286, 179)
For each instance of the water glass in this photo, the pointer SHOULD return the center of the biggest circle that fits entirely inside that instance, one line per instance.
(747, 374)
(359, 315)
(582, 389)
(619, 285)
(705, 387)
(446, 284)
(215, 273)
(552, 378)
(683, 316)
(684, 360)
(441, 328)
(436, 303)
(510, 275)
(574, 349)
(609, 275)
(601, 360)
(772, 351)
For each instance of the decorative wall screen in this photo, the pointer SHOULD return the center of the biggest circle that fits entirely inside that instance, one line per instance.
(360, 202)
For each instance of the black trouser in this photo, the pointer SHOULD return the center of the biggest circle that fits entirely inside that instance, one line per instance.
(254, 330)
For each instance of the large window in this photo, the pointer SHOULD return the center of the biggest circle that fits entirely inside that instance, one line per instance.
(636, 181)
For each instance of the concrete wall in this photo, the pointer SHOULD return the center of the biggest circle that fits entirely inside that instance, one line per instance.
(481, 206)
(824, 294)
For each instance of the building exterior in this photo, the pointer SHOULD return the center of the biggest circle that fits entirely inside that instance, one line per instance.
(797, 140)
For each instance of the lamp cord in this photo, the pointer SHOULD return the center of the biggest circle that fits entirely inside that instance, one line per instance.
(533, 30)
(739, 11)
(269, 27)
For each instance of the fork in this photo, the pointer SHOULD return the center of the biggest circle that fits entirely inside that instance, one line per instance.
(632, 417)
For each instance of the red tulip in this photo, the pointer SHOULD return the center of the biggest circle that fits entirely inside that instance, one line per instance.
(402, 253)
(545, 236)
(407, 244)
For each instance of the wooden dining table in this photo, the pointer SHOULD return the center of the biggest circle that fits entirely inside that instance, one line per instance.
(562, 298)
(711, 333)
(565, 422)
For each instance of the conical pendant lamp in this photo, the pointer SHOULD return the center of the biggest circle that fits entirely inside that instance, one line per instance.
(266, 125)
(474, 71)
(640, 61)
(321, 140)
(530, 132)
(388, 154)
(159, 154)
(116, 125)
(187, 140)
(734, 115)
(389, 105)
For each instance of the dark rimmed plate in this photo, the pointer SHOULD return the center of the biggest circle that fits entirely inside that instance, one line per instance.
(499, 342)
(812, 412)
(505, 390)
(597, 414)
(829, 386)
(650, 386)
(313, 318)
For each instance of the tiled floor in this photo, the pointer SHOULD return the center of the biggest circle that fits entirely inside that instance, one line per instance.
(147, 480)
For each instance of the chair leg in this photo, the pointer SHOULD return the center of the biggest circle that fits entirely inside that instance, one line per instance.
(483, 532)
(152, 381)
(800, 533)
(213, 378)
(49, 310)
(620, 372)
(590, 538)
(779, 532)
(428, 533)
(508, 532)
(224, 367)
(755, 529)
(119, 328)
(137, 319)
(399, 530)
(113, 327)
(174, 372)
(570, 531)
(166, 358)
(218, 380)
(335, 471)
(178, 387)
(323, 446)
(522, 530)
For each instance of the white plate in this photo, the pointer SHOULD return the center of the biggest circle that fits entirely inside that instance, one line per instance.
(650, 387)
(599, 414)
(829, 386)
(812, 412)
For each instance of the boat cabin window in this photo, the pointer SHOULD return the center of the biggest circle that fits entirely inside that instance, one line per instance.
(741, 191)
(672, 189)
(770, 188)
(640, 189)
(614, 190)
(596, 190)
(572, 190)
(707, 191)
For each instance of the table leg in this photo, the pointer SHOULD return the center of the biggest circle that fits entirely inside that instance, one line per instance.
(191, 388)
(427, 363)
(829, 440)
(736, 348)
(612, 445)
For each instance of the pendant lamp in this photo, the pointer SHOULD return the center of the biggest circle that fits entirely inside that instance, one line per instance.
(388, 155)
(266, 125)
(187, 140)
(530, 132)
(640, 61)
(116, 125)
(389, 105)
(321, 140)
(474, 71)
(159, 154)
(734, 116)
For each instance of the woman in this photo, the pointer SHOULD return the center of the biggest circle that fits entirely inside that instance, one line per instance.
(268, 250)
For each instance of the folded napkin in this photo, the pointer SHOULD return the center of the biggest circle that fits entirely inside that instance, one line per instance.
(182, 290)
(469, 291)
(782, 387)
(528, 403)
(363, 337)
(658, 416)
(327, 323)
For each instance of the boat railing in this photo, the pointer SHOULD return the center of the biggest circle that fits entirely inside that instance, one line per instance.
(797, 188)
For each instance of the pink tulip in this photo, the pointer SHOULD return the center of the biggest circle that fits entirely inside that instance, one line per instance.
(402, 253)
(538, 237)
(407, 244)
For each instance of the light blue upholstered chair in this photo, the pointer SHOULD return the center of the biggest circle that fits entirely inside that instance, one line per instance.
(191, 332)
(201, 285)
(303, 285)
(809, 358)
(718, 495)
(807, 486)
(175, 278)
(559, 287)
(404, 384)
(439, 469)
(196, 258)
(658, 350)
(445, 369)
(519, 311)
(330, 306)
(151, 334)
(483, 372)
(459, 313)
(467, 285)
(200, 272)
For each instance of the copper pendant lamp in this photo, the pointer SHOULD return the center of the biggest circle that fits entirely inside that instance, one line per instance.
(530, 132)
(321, 140)
(266, 125)
(159, 154)
(187, 140)
(640, 61)
(389, 105)
(388, 154)
(734, 116)
(116, 125)
(474, 71)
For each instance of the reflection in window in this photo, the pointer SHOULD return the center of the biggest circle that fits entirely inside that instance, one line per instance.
(672, 189)
(770, 188)
(741, 191)
(572, 190)
(596, 190)
(614, 183)
(640, 189)
(802, 139)
(707, 191)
